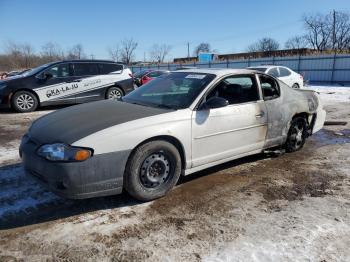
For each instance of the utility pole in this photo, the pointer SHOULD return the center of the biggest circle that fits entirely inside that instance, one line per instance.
(188, 49)
(334, 35)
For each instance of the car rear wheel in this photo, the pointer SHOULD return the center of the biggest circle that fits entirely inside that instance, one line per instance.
(295, 86)
(153, 169)
(114, 93)
(296, 135)
(24, 101)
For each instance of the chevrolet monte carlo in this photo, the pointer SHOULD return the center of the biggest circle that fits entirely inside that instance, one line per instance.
(180, 123)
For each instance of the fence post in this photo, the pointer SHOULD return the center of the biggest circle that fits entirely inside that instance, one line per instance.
(333, 68)
(209, 65)
(249, 61)
(227, 63)
(299, 61)
(158, 66)
(273, 60)
(168, 66)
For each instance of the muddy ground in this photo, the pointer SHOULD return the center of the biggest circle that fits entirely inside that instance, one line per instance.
(259, 208)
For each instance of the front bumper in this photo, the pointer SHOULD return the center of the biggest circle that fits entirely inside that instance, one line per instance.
(100, 175)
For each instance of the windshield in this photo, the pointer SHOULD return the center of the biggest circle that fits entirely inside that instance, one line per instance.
(35, 70)
(175, 90)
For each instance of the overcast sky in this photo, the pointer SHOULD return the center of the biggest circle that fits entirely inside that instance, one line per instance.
(229, 26)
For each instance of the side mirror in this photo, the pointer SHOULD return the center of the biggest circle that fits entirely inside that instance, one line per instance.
(214, 102)
(48, 76)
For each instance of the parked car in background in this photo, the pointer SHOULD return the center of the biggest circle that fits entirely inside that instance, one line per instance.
(283, 73)
(65, 82)
(178, 124)
(145, 76)
(13, 73)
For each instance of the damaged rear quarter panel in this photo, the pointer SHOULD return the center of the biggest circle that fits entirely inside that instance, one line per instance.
(281, 111)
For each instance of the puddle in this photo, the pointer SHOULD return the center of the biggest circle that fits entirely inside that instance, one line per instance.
(327, 137)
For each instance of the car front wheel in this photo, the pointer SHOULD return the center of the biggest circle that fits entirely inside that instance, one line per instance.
(153, 169)
(24, 101)
(296, 135)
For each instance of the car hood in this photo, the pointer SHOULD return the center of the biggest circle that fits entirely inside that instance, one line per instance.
(11, 78)
(71, 124)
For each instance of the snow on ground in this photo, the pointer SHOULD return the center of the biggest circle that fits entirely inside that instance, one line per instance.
(20, 193)
(332, 94)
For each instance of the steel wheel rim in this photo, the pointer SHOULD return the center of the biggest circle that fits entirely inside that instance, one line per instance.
(155, 170)
(114, 94)
(297, 135)
(25, 101)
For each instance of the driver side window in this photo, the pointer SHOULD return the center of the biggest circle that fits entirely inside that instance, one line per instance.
(236, 89)
(61, 70)
(269, 86)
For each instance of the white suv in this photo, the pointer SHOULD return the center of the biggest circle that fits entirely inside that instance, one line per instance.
(283, 73)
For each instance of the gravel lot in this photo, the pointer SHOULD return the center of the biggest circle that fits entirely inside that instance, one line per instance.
(260, 208)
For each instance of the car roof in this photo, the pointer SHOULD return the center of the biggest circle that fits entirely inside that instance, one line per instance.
(87, 60)
(217, 71)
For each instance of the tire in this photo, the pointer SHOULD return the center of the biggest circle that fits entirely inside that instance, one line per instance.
(153, 169)
(295, 86)
(114, 93)
(24, 101)
(296, 135)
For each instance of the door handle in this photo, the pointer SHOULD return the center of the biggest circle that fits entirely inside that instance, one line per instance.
(74, 81)
(261, 114)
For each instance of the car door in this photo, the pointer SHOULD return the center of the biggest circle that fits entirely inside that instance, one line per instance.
(89, 82)
(286, 76)
(55, 84)
(233, 130)
(275, 110)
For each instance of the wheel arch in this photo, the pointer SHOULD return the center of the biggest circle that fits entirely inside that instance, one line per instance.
(27, 90)
(172, 140)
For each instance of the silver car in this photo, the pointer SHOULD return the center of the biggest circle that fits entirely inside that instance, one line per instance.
(178, 124)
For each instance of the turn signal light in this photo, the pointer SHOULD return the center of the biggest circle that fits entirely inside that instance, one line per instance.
(82, 155)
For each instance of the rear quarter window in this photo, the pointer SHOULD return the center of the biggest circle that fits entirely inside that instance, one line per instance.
(110, 68)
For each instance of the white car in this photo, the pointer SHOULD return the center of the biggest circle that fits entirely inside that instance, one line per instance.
(283, 73)
(65, 82)
(177, 124)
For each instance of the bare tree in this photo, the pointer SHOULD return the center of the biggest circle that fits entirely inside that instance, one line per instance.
(127, 50)
(28, 54)
(202, 48)
(114, 52)
(76, 52)
(296, 42)
(159, 52)
(20, 55)
(265, 44)
(319, 31)
(341, 30)
(51, 52)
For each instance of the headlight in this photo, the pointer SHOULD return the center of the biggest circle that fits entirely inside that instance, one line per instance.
(62, 152)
